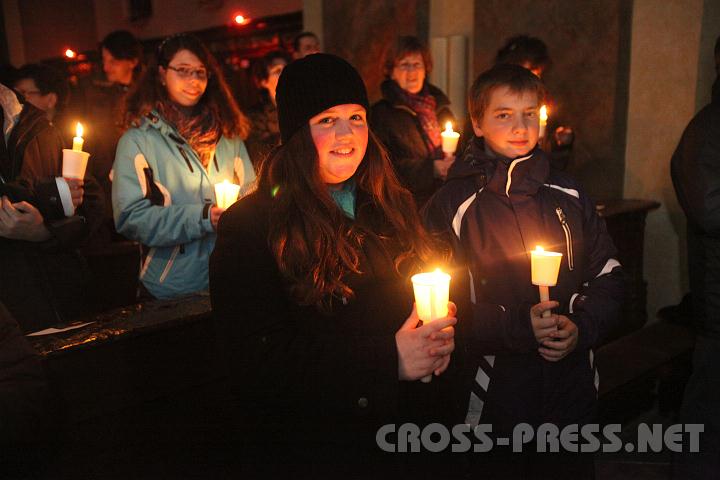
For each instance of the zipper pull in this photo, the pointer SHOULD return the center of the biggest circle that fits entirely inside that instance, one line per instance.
(568, 237)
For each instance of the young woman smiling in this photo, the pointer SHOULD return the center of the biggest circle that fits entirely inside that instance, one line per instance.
(310, 282)
(186, 134)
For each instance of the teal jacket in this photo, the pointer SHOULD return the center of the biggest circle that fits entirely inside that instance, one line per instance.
(161, 198)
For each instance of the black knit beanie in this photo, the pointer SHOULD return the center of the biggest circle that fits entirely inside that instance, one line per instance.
(313, 84)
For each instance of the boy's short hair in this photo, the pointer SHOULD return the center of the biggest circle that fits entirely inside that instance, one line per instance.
(403, 47)
(516, 78)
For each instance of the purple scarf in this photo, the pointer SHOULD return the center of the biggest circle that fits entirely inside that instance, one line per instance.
(424, 105)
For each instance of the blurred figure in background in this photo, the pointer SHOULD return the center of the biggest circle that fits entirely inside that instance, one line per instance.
(98, 106)
(304, 44)
(265, 132)
(409, 118)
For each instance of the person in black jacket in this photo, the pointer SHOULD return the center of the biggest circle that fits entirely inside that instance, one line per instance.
(43, 219)
(409, 118)
(309, 279)
(695, 170)
(502, 199)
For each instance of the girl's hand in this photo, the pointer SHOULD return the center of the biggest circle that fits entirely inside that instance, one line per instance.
(425, 350)
(215, 213)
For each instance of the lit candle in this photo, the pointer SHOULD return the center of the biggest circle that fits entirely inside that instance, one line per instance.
(449, 139)
(432, 293)
(543, 121)
(77, 139)
(544, 268)
(226, 194)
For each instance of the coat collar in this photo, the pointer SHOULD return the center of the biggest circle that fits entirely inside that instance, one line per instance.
(508, 177)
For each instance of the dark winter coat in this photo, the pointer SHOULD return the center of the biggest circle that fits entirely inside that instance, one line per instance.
(312, 388)
(265, 131)
(496, 211)
(695, 170)
(399, 129)
(42, 283)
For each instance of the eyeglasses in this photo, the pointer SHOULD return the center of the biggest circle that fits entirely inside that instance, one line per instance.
(407, 67)
(185, 72)
(29, 93)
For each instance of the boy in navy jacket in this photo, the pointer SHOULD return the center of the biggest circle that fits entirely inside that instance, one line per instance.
(501, 199)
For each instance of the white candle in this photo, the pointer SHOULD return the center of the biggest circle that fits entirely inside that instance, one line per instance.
(543, 121)
(226, 194)
(77, 139)
(432, 293)
(449, 139)
(544, 269)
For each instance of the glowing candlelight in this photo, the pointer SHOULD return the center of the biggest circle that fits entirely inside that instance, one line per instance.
(432, 293)
(449, 139)
(226, 194)
(544, 268)
(75, 160)
(543, 120)
(77, 139)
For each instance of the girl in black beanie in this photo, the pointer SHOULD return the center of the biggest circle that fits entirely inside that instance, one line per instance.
(310, 282)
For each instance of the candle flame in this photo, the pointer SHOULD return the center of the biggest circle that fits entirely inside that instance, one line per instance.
(538, 249)
(70, 53)
(79, 130)
(543, 113)
(240, 19)
(448, 127)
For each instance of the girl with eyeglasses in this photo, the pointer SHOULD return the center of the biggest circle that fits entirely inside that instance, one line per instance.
(185, 135)
(410, 116)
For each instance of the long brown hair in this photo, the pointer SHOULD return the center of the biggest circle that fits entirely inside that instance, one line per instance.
(313, 243)
(149, 91)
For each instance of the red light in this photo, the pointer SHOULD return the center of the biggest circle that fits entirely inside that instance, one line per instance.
(70, 53)
(240, 19)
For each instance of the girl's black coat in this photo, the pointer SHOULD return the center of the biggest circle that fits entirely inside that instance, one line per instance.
(306, 384)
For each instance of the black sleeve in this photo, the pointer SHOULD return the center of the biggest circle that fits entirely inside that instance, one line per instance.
(279, 356)
(695, 168)
(597, 310)
(414, 170)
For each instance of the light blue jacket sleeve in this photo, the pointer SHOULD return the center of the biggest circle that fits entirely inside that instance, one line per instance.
(135, 216)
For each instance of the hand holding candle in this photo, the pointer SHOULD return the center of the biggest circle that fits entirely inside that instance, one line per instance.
(449, 139)
(432, 292)
(75, 160)
(226, 194)
(544, 267)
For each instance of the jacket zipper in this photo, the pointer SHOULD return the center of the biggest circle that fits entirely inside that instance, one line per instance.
(169, 264)
(568, 237)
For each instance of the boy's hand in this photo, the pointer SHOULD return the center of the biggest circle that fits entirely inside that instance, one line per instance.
(543, 327)
(561, 342)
